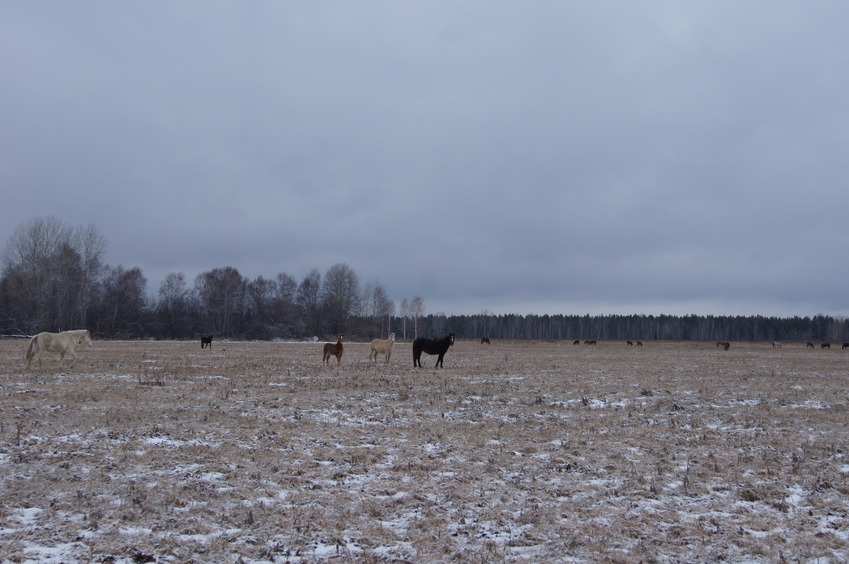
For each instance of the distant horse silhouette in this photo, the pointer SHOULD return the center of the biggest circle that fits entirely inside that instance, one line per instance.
(381, 346)
(485, 340)
(639, 343)
(630, 343)
(825, 346)
(431, 346)
(333, 349)
(776, 344)
(724, 344)
(809, 345)
(577, 342)
(62, 343)
(206, 342)
(590, 342)
(845, 346)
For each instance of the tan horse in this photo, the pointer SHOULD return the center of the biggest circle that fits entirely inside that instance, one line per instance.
(381, 346)
(62, 343)
(333, 349)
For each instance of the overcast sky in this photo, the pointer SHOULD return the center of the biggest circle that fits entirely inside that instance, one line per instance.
(514, 157)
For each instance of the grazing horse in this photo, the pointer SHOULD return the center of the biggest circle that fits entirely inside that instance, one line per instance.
(206, 342)
(431, 346)
(577, 342)
(845, 346)
(485, 340)
(62, 343)
(630, 343)
(333, 349)
(724, 344)
(825, 346)
(381, 346)
(776, 344)
(639, 343)
(809, 345)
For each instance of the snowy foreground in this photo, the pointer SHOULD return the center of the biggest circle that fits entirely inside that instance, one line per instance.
(516, 451)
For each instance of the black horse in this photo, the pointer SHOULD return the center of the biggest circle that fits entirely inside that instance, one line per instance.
(431, 346)
(206, 341)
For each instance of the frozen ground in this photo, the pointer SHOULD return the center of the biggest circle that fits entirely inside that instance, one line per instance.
(517, 451)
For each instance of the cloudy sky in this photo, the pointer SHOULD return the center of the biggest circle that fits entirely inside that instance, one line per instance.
(514, 157)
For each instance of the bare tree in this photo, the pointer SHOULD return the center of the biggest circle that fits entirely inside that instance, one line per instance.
(377, 306)
(405, 313)
(174, 305)
(51, 271)
(309, 302)
(340, 295)
(91, 244)
(124, 301)
(221, 293)
(285, 306)
(259, 301)
(416, 311)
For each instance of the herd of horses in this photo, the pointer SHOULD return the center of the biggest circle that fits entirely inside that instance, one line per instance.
(65, 343)
(384, 346)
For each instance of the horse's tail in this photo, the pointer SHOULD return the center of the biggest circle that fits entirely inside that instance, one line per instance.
(32, 348)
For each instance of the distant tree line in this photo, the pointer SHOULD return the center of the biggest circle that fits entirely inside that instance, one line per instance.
(53, 278)
(645, 327)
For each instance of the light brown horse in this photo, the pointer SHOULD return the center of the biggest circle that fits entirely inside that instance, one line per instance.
(381, 346)
(333, 349)
(62, 343)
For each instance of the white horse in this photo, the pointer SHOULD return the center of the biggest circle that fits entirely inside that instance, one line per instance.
(381, 346)
(62, 343)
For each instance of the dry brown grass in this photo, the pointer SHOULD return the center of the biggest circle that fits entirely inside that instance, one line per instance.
(518, 451)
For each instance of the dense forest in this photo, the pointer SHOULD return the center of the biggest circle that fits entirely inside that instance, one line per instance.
(53, 278)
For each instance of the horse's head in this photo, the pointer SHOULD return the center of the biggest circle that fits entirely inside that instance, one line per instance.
(85, 337)
(451, 338)
(392, 337)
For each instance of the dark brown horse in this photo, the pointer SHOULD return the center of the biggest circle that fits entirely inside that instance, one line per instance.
(206, 342)
(825, 346)
(333, 349)
(485, 341)
(431, 346)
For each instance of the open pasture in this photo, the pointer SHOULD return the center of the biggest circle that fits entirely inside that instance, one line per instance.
(515, 451)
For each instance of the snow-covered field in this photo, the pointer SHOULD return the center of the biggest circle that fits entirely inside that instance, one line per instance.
(516, 451)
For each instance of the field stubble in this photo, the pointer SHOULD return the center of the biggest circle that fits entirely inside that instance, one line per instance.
(515, 451)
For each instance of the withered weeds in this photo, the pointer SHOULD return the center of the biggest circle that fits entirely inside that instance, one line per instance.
(539, 451)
